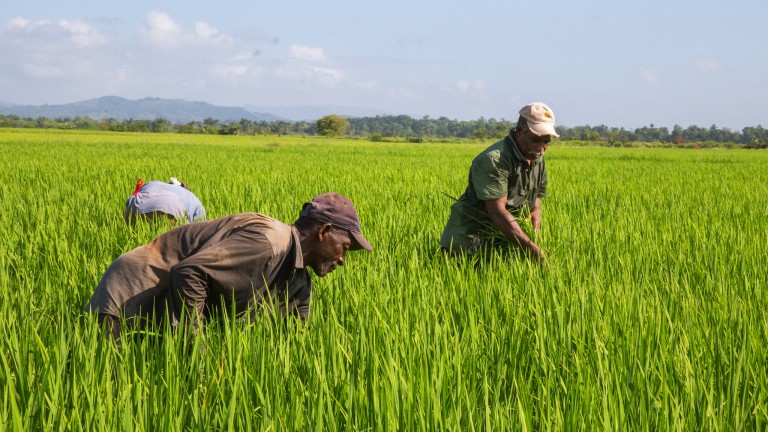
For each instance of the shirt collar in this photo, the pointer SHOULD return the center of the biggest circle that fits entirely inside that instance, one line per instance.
(299, 259)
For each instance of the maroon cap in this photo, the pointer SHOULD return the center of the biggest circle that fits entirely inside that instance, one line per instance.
(337, 210)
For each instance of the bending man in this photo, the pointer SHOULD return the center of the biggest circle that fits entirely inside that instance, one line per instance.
(507, 179)
(244, 261)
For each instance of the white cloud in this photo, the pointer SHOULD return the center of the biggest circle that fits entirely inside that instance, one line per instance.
(286, 72)
(43, 50)
(245, 56)
(465, 86)
(710, 65)
(650, 77)
(19, 22)
(367, 85)
(61, 69)
(162, 32)
(474, 90)
(44, 71)
(82, 34)
(325, 73)
(318, 75)
(205, 31)
(303, 52)
(33, 35)
(207, 34)
(298, 69)
(225, 70)
(45, 33)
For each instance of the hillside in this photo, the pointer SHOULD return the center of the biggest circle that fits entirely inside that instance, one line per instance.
(173, 110)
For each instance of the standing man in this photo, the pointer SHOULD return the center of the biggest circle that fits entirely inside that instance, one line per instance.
(507, 179)
(159, 200)
(245, 261)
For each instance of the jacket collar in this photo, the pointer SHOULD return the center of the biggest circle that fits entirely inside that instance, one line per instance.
(299, 259)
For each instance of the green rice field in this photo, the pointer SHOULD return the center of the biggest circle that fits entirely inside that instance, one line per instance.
(652, 316)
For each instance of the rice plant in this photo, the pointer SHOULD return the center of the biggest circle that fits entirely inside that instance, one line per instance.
(652, 316)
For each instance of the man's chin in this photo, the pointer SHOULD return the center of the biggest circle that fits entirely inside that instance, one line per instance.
(322, 271)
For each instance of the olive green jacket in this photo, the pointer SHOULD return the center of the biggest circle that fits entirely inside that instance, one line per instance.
(499, 171)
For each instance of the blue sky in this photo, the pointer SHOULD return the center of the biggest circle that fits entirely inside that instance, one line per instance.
(622, 64)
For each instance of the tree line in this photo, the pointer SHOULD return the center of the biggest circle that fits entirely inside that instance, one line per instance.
(403, 127)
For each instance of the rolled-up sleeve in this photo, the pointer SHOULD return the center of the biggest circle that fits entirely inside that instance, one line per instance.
(489, 177)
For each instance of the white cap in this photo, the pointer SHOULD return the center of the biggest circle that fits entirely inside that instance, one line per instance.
(540, 118)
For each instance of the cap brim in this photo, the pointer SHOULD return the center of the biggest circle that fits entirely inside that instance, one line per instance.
(359, 242)
(543, 129)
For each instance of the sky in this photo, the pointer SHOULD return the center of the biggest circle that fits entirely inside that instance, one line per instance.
(617, 63)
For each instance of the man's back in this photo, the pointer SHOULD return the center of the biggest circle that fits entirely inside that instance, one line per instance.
(166, 198)
(242, 251)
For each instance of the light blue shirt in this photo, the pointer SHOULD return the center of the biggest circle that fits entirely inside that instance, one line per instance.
(157, 196)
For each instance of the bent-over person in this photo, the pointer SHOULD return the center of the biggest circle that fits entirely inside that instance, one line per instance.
(506, 180)
(246, 261)
(159, 200)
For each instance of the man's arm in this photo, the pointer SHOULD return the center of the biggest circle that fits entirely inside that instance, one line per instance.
(507, 224)
(237, 264)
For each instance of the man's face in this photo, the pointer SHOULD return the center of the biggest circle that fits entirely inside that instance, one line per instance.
(532, 146)
(330, 252)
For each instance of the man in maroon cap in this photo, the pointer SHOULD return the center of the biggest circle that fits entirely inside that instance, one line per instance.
(246, 261)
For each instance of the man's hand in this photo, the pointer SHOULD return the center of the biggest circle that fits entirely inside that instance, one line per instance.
(507, 224)
(541, 257)
(536, 219)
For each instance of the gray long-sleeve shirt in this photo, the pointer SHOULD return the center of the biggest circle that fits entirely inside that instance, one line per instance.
(247, 259)
(157, 196)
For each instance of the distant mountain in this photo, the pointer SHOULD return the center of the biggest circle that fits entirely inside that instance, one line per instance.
(312, 113)
(173, 110)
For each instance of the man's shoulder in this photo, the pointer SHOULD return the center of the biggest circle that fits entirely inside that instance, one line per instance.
(278, 233)
(255, 221)
(496, 154)
(497, 147)
(262, 220)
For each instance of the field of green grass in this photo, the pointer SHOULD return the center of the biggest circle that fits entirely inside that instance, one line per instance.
(652, 317)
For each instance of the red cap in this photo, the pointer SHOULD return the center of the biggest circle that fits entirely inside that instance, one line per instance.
(337, 210)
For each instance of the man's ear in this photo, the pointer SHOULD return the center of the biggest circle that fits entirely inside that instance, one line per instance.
(324, 231)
